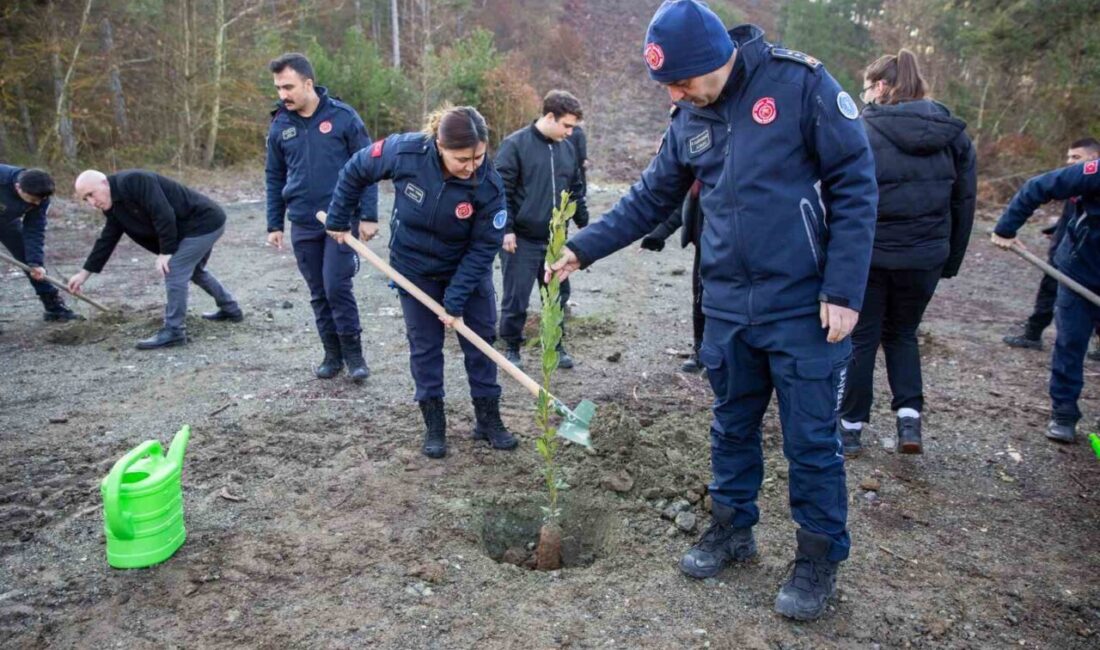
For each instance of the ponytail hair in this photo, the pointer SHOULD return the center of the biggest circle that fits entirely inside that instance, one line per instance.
(457, 127)
(902, 76)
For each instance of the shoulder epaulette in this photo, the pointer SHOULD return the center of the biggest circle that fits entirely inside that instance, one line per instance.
(672, 111)
(412, 143)
(796, 56)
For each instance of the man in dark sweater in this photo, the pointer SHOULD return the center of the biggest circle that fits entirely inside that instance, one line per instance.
(176, 223)
(536, 162)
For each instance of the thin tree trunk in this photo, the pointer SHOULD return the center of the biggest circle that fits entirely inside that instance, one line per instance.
(63, 123)
(187, 127)
(216, 83)
(375, 23)
(114, 79)
(395, 27)
(24, 108)
(5, 141)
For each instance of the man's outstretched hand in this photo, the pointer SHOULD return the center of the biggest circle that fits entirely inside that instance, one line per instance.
(564, 266)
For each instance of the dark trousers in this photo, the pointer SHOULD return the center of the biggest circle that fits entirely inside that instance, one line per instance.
(425, 333)
(1076, 319)
(892, 310)
(328, 269)
(697, 318)
(11, 236)
(522, 270)
(745, 364)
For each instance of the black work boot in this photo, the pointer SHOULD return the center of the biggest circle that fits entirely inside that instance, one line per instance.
(1027, 339)
(719, 545)
(850, 440)
(222, 314)
(435, 428)
(165, 337)
(352, 349)
(564, 360)
(334, 360)
(909, 436)
(1062, 431)
(693, 365)
(56, 309)
(489, 425)
(812, 580)
(512, 354)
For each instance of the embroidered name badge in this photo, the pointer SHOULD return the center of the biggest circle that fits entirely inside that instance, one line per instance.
(464, 210)
(1092, 167)
(499, 219)
(847, 106)
(414, 193)
(699, 142)
(763, 111)
(325, 127)
(289, 133)
(654, 56)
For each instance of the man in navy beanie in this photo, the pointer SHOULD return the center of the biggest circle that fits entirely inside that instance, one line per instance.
(788, 187)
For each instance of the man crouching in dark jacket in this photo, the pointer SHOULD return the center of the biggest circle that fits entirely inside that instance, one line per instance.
(164, 217)
(927, 181)
(537, 163)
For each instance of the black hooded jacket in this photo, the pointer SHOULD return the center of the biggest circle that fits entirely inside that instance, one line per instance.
(927, 178)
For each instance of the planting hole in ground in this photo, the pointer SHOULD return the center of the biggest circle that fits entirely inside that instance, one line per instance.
(510, 532)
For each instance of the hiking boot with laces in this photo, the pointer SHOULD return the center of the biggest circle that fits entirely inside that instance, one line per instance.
(720, 545)
(489, 426)
(811, 580)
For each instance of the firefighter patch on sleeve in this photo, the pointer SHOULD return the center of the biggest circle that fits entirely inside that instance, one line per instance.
(1092, 167)
(289, 133)
(847, 105)
(499, 219)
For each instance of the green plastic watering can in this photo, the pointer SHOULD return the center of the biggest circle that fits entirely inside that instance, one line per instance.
(143, 504)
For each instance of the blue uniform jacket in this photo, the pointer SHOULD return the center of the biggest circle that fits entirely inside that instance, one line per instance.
(1078, 254)
(13, 208)
(304, 156)
(440, 228)
(788, 192)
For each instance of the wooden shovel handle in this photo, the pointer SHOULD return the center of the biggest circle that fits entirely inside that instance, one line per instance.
(377, 262)
(1055, 273)
(57, 283)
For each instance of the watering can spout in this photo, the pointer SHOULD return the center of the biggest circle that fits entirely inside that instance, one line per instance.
(179, 445)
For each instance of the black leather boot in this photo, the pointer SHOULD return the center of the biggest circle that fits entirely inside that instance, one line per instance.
(812, 580)
(352, 348)
(333, 361)
(435, 428)
(720, 545)
(222, 314)
(165, 337)
(489, 425)
(909, 440)
(56, 309)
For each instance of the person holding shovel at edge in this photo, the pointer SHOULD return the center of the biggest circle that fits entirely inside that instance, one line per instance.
(1078, 257)
(176, 223)
(447, 226)
(24, 203)
(789, 194)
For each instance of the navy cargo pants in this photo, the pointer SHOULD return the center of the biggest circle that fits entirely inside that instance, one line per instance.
(1076, 319)
(425, 332)
(328, 269)
(745, 363)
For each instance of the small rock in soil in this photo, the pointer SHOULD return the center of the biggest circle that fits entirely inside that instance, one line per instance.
(692, 497)
(685, 521)
(870, 484)
(287, 304)
(707, 503)
(619, 482)
(870, 497)
(660, 504)
(676, 508)
(675, 458)
(58, 419)
(614, 357)
(677, 271)
(433, 571)
(652, 493)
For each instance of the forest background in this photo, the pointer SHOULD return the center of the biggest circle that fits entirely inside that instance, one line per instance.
(184, 83)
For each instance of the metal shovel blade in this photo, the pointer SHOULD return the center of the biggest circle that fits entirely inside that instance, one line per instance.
(574, 427)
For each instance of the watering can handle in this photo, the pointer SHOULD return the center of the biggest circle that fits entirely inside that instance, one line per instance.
(117, 520)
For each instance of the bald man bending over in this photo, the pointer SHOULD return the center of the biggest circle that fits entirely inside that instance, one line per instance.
(164, 217)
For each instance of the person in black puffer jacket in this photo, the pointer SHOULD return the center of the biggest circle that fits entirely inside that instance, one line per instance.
(926, 170)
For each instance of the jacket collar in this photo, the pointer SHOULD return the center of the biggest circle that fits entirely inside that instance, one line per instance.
(538, 134)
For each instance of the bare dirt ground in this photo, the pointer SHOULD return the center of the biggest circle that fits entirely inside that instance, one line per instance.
(337, 533)
(346, 537)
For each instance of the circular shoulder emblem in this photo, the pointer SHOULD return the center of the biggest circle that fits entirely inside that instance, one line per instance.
(763, 111)
(654, 56)
(500, 219)
(464, 210)
(847, 106)
(325, 127)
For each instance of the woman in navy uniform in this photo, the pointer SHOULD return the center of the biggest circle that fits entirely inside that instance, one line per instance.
(447, 226)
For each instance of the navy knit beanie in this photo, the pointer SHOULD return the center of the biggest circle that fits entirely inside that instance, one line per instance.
(684, 40)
